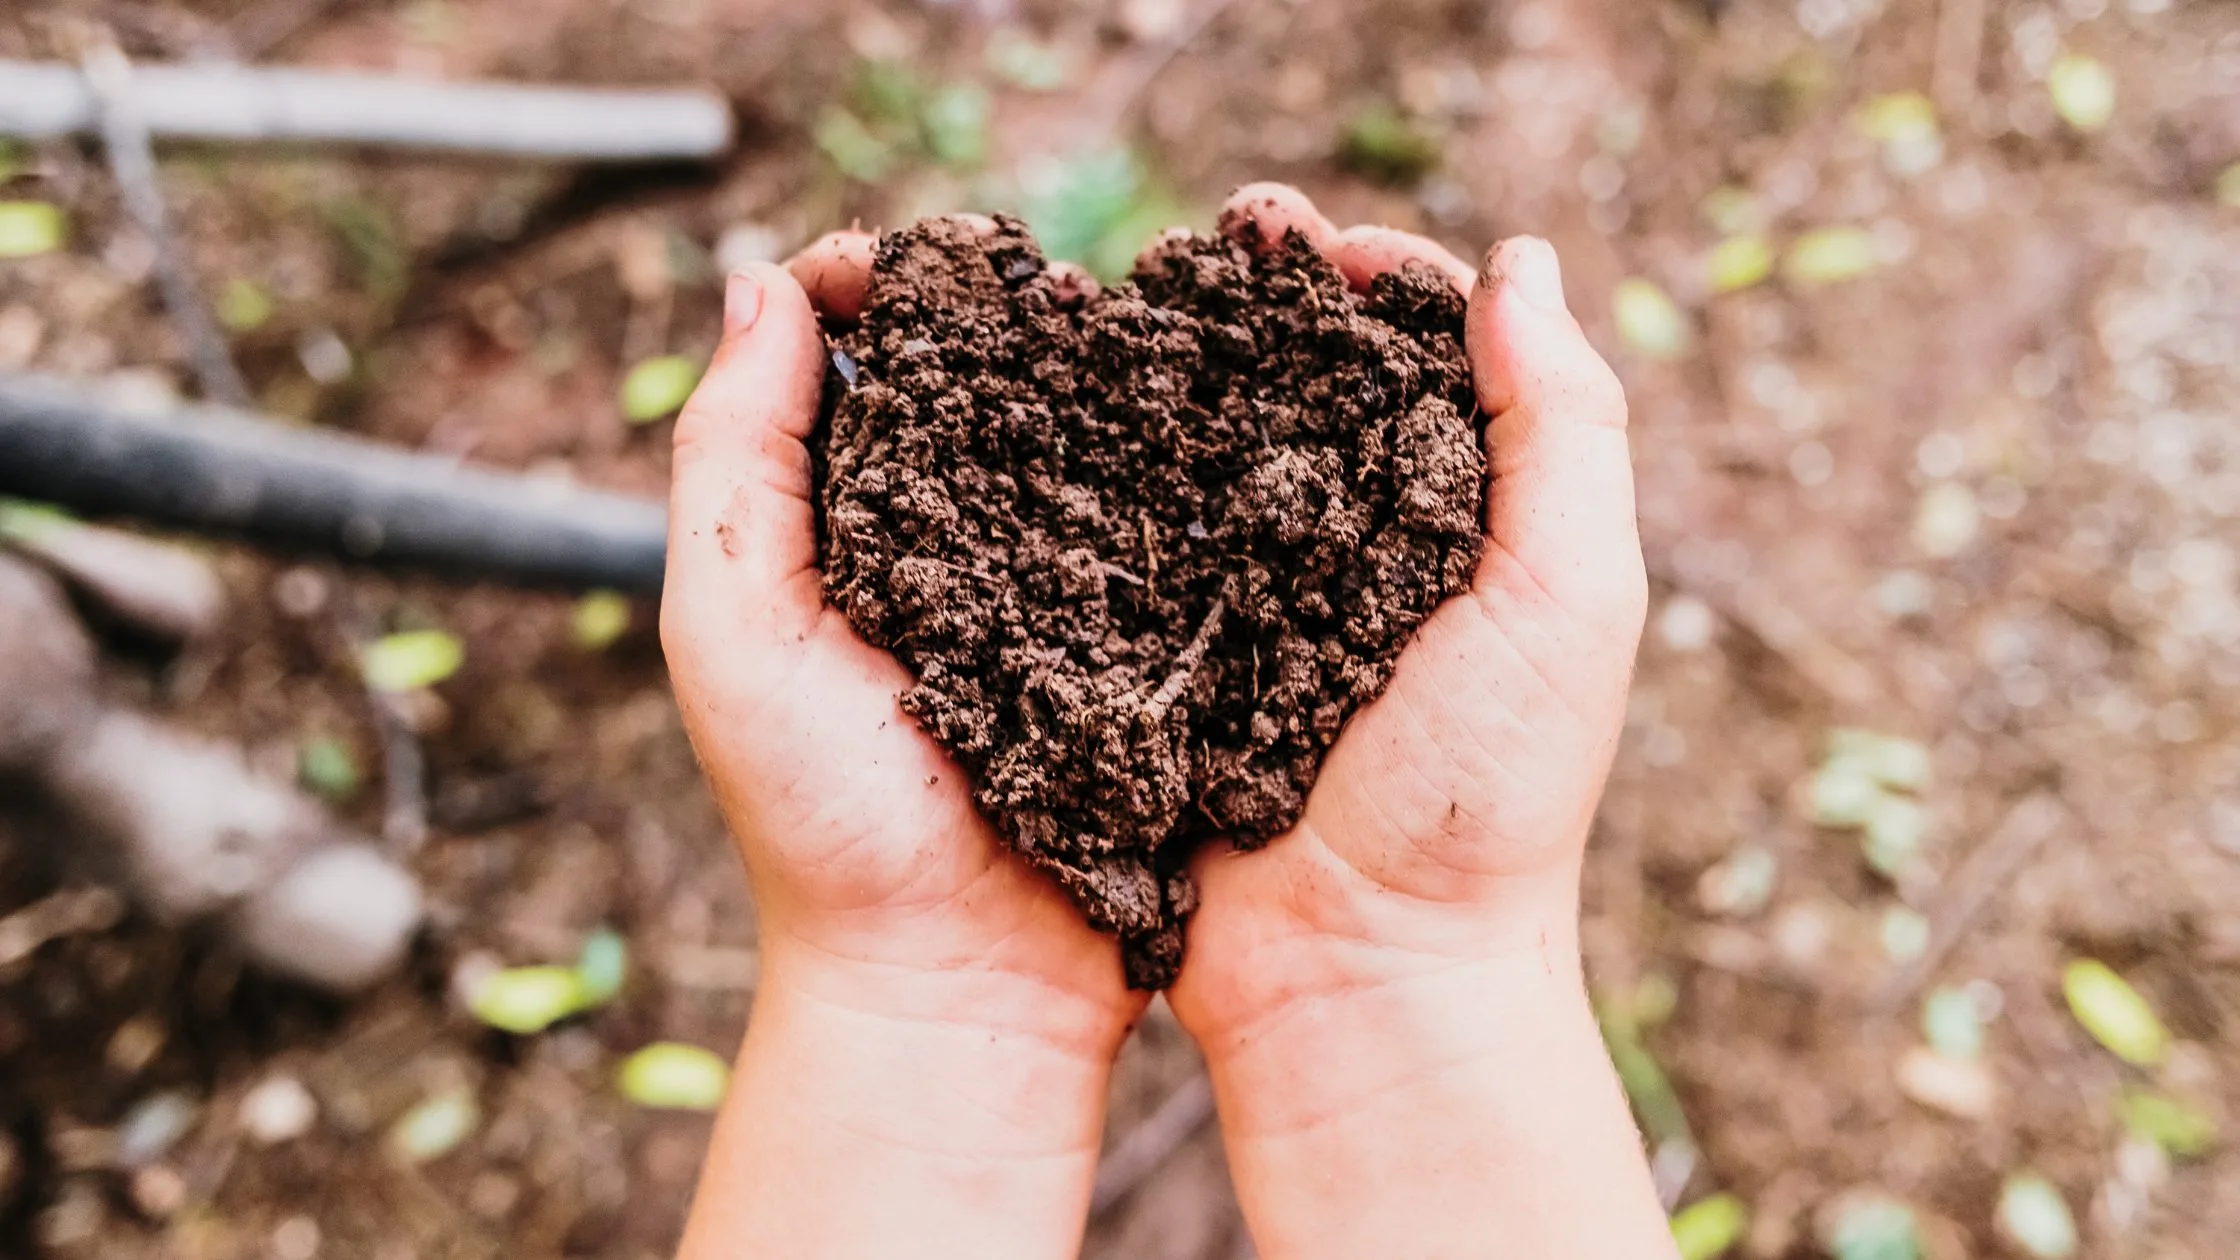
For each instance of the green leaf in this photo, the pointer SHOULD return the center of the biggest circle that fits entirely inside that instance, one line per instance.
(369, 233)
(1709, 1228)
(2114, 1013)
(603, 965)
(30, 228)
(26, 522)
(244, 306)
(851, 147)
(675, 1077)
(1649, 321)
(1739, 262)
(2037, 1218)
(1843, 794)
(1905, 124)
(326, 765)
(1830, 255)
(1890, 760)
(1898, 115)
(435, 1126)
(1655, 1103)
(955, 121)
(1951, 1023)
(1731, 211)
(412, 660)
(1384, 144)
(1896, 831)
(2083, 90)
(2185, 1131)
(888, 89)
(13, 161)
(659, 387)
(1875, 1228)
(600, 618)
(1027, 63)
(525, 1000)
(1905, 934)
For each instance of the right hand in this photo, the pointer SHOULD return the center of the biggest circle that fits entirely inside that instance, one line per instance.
(1449, 820)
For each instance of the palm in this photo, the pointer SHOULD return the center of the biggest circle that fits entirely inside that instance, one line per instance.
(859, 825)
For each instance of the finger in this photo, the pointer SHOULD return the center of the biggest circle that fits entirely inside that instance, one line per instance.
(1073, 282)
(1363, 253)
(835, 271)
(742, 537)
(1560, 511)
(1259, 215)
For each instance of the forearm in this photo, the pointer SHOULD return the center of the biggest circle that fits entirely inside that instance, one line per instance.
(1466, 1110)
(851, 1132)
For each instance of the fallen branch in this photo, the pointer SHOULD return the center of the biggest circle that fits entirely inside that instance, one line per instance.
(1973, 890)
(1149, 1144)
(241, 104)
(217, 470)
(124, 135)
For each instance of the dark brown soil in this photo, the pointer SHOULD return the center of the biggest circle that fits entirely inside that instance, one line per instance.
(1145, 550)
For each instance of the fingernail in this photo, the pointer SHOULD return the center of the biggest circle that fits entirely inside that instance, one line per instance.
(1538, 275)
(742, 303)
(1528, 266)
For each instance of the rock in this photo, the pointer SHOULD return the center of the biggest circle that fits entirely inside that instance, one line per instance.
(278, 1109)
(341, 918)
(1963, 1088)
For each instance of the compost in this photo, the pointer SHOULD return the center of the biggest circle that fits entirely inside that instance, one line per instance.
(1144, 549)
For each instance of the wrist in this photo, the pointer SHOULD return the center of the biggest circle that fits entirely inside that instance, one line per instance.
(1353, 1024)
(859, 1127)
(875, 1053)
(984, 1009)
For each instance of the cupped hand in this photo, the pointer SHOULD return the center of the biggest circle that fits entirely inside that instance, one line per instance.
(876, 880)
(1449, 820)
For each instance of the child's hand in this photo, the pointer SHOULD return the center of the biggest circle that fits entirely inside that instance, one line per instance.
(870, 865)
(935, 1025)
(1448, 822)
(1389, 996)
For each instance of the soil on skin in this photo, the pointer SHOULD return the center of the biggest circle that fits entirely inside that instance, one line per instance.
(1145, 550)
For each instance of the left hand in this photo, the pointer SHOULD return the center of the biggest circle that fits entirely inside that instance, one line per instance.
(877, 881)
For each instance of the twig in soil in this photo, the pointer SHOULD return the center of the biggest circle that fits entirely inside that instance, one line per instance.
(266, 26)
(1186, 664)
(71, 912)
(239, 104)
(124, 134)
(1959, 56)
(1148, 1145)
(1762, 615)
(404, 766)
(1158, 58)
(1973, 890)
(218, 471)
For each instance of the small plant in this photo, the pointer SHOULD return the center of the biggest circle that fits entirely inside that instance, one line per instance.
(1387, 145)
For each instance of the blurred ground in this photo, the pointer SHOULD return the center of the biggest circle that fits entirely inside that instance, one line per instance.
(1971, 480)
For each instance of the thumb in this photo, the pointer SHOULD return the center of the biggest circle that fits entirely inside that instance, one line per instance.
(742, 534)
(1560, 513)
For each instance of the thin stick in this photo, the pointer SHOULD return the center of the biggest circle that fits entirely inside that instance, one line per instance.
(245, 105)
(1148, 1145)
(1186, 664)
(124, 133)
(1973, 890)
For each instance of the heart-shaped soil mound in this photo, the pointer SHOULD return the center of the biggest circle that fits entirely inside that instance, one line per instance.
(1145, 551)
